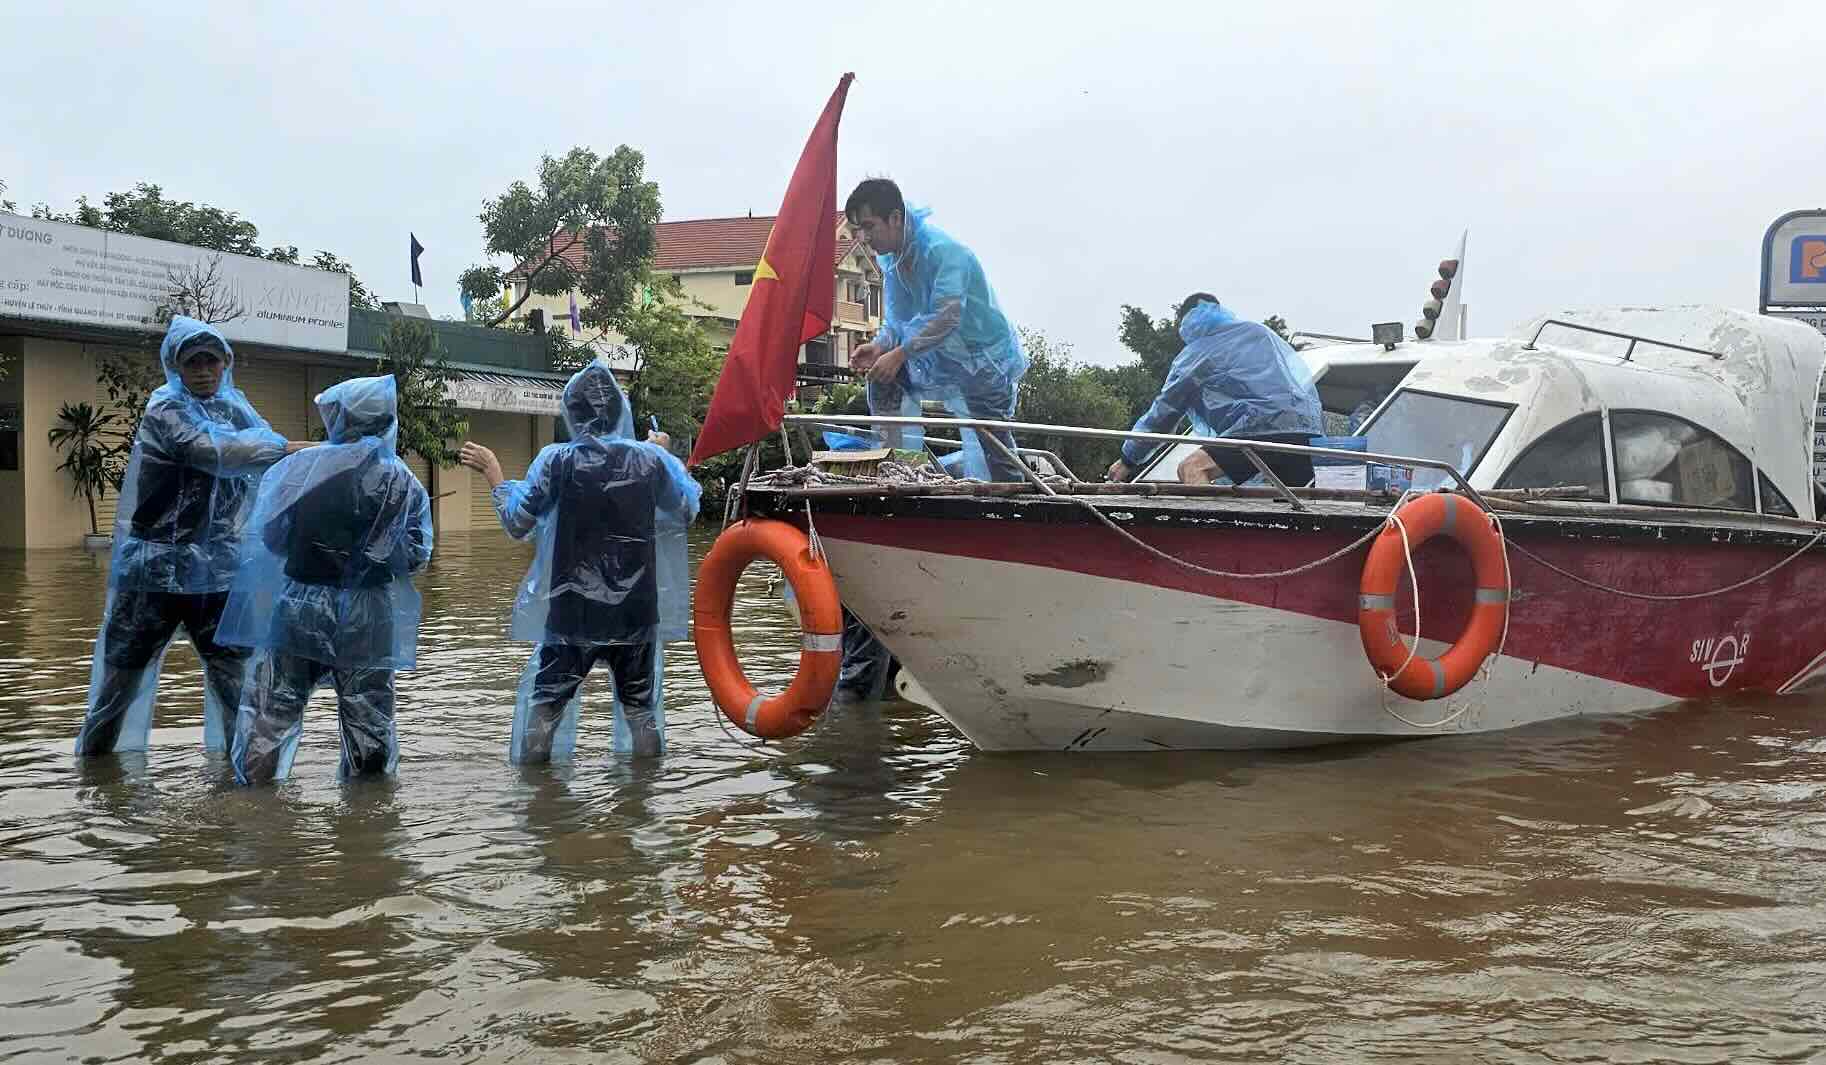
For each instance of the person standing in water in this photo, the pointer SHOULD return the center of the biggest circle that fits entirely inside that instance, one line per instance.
(325, 590)
(609, 583)
(199, 452)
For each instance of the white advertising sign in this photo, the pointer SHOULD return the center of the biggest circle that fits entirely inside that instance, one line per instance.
(471, 394)
(65, 273)
(1816, 319)
(1794, 261)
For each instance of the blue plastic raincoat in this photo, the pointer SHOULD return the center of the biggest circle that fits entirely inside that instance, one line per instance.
(324, 591)
(961, 350)
(1233, 378)
(183, 505)
(190, 479)
(335, 537)
(608, 516)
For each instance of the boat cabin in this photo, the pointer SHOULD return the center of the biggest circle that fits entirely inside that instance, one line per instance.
(1693, 407)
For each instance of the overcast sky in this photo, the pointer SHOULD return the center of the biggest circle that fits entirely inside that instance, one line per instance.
(1314, 161)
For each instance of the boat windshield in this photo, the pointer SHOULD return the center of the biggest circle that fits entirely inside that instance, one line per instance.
(1450, 429)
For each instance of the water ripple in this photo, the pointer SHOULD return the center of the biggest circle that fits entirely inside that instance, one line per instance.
(1623, 890)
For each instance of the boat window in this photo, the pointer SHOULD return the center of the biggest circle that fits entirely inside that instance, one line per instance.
(1664, 459)
(1774, 502)
(1570, 456)
(1445, 428)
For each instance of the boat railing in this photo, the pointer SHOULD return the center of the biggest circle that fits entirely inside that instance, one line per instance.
(1251, 449)
(1631, 337)
(943, 443)
(1301, 334)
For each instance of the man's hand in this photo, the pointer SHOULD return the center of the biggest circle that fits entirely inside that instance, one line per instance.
(292, 447)
(887, 366)
(483, 461)
(662, 439)
(1119, 470)
(864, 357)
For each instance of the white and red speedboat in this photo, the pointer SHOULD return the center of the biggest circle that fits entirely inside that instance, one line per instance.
(1651, 473)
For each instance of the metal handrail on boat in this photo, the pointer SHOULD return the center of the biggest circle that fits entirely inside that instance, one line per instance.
(1631, 337)
(942, 441)
(1247, 447)
(1298, 333)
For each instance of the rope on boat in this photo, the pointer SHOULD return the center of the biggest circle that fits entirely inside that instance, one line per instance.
(1195, 567)
(889, 472)
(1678, 598)
(902, 474)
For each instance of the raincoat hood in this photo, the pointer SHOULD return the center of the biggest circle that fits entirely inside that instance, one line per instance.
(1203, 320)
(359, 407)
(183, 330)
(916, 233)
(595, 405)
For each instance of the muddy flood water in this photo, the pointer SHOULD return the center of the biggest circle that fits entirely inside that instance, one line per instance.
(1646, 889)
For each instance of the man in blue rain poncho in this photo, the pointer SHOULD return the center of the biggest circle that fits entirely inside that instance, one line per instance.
(1233, 379)
(943, 336)
(609, 582)
(198, 454)
(325, 590)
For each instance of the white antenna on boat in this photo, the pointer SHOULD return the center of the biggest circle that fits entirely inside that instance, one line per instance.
(1445, 316)
(1454, 317)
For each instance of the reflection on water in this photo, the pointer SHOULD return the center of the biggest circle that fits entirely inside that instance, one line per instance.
(1627, 890)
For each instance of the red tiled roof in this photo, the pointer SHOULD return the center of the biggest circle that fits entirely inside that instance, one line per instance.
(693, 244)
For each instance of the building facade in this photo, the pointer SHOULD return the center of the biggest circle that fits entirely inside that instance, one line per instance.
(72, 302)
(714, 260)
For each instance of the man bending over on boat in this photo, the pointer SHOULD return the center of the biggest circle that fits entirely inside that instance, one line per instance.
(943, 336)
(608, 584)
(1233, 379)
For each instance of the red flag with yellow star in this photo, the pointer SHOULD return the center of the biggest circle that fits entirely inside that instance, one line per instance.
(790, 303)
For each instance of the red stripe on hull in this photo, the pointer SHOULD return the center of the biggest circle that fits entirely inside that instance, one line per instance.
(1754, 639)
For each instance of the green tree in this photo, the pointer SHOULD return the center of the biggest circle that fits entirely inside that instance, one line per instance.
(1132, 383)
(1154, 340)
(603, 205)
(428, 418)
(675, 368)
(145, 211)
(843, 397)
(85, 435)
(6, 204)
(1058, 390)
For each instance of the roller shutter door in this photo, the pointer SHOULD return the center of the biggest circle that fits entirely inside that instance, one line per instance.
(510, 436)
(280, 393)
(421, 468)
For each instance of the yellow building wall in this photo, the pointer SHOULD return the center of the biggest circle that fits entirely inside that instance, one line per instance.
(38, 509)
(51, 373)
(718, 302)
(717, 290)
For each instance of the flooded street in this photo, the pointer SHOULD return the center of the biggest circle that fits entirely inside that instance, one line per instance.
(1645, 889)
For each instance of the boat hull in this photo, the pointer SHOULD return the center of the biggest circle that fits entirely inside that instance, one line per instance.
(1050, 633)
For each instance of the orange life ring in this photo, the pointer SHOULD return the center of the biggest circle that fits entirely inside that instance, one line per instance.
(1426, 517)
(821, 620)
